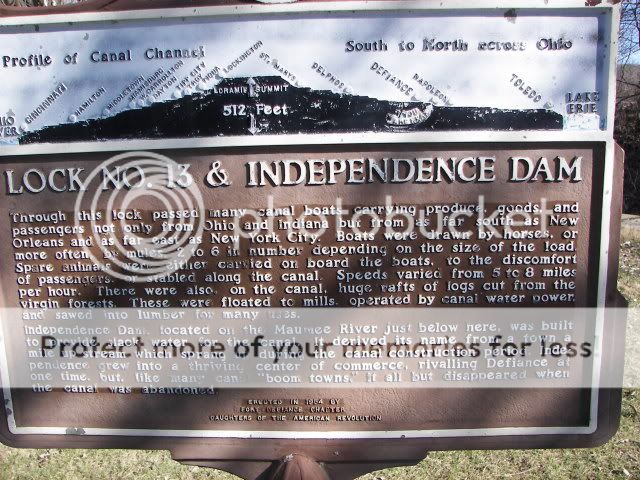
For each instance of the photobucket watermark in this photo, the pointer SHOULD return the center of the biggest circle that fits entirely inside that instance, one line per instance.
(113, 206)
(291, 348)
(147, 218)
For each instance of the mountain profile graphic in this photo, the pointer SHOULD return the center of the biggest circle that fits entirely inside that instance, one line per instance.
(302, 110)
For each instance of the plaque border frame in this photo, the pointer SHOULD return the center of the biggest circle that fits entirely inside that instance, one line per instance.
(10, 17)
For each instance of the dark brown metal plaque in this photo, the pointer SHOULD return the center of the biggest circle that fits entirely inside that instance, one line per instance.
(295, 201)
(430, 416)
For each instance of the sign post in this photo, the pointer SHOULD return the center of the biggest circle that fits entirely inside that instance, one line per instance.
(312, 239)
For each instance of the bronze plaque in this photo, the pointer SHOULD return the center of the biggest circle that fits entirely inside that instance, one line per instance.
(248, 273)
(351, 276)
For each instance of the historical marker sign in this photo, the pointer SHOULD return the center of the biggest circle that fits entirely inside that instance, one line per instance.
(364, 231)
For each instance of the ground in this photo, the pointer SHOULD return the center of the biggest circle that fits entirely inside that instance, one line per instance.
(620, 458)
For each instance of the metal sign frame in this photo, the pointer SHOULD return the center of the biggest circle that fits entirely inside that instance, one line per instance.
(397, 447)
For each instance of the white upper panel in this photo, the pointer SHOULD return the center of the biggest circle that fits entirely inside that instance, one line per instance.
(390, 72)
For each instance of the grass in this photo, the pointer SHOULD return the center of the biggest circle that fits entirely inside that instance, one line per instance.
(618, 459)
